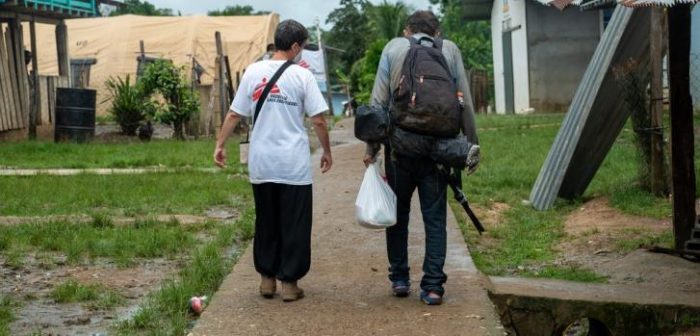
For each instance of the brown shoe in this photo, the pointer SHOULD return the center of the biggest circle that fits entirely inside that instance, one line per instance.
(268, 287)
(290, 292)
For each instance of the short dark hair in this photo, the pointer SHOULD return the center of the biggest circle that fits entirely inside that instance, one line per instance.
(271, 47)
(423, 21)
(290, 32)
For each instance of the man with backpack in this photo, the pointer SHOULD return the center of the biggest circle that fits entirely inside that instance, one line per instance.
(278, 94)
(421, 81)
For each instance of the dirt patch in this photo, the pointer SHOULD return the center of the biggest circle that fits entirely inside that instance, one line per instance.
(32, 284)
(594, 233)
(490, 218)
(597, 215)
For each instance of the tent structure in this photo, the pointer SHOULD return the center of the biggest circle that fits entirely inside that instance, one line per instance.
(115, 43)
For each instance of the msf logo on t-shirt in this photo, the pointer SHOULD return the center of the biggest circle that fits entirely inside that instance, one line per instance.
(304, 64)
(261, 87)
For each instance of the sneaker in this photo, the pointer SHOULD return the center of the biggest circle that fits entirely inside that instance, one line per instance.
(401, 288)
(431, 298)
(268, 287)
(290, 292)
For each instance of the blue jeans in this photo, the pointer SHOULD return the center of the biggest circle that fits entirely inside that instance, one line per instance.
(405, 174)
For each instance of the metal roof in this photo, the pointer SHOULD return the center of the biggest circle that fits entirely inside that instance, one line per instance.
(476, 10)
(59, 9)
(590, 4)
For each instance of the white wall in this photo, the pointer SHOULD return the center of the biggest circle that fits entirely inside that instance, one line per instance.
(516, 19)
(497, 45)
(695, 57)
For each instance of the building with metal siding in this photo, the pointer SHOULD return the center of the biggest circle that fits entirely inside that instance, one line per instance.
(539, 52)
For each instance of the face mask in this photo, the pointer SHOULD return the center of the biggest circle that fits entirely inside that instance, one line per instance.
(297, 58)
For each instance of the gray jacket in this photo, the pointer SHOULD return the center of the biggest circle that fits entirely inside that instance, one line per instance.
(389, 73)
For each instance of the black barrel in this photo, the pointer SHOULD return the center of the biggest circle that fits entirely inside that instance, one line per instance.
(75, 115)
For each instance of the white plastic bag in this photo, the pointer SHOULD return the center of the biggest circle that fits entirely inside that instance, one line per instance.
(375, 206)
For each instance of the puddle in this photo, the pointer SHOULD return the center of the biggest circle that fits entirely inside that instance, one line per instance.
(31, 285)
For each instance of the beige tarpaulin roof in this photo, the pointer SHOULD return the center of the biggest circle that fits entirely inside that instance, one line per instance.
(114, 42)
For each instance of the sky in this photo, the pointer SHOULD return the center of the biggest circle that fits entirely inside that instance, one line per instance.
(304, 11)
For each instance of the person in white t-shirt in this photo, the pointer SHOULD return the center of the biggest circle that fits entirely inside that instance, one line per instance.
(279, 162)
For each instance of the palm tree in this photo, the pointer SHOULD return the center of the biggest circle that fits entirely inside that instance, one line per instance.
(388, 19)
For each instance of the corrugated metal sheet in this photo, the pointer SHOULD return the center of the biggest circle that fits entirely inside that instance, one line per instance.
(595, 117)
(648, 3)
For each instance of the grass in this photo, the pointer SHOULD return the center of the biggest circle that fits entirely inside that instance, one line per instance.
(166, 311)
(119, 195)
(570, 273)
(206, 260)
(168, 153)
(7, 308)
(514, 149)
(641, 239)
(81, 241)
(95, 296)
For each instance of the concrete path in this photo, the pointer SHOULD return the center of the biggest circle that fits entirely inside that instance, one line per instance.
(347, 291)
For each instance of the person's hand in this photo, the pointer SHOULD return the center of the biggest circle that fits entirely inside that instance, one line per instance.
(369, 159)
(326, 162)
(473, 159)
(220, 157)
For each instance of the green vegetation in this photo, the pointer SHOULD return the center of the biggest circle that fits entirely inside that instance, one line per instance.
(570, 273)
(237, 10)
(138, 7)
(472, 37)
(158, 153)
(640, 238)
(178, 104)
(95, 296)
(514, 148)
(362, 28)
(165, 311)
(128, 106)
(119, 195)
(123, 243)
(7, 308)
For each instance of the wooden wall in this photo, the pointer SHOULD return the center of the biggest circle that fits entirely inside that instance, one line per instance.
(14, 81)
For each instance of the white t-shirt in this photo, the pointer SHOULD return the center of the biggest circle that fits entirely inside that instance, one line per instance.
(279, 145)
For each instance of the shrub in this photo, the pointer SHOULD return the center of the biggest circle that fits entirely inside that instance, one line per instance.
(179, 103)
(128, 105)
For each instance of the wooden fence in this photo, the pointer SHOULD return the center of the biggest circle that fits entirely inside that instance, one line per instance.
(47, 89)
(14, 80)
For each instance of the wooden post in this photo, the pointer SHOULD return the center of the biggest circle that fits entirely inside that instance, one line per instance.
(5, 108)
(36, 94)
(682, 136)
(21, 72)
(141, 67)
(62, 51)
(223, 108)
(658, 182)
(229, 81)
(12, 81)
(329, 92)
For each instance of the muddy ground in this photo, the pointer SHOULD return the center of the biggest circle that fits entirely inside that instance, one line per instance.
(593, 232)
(32, 283)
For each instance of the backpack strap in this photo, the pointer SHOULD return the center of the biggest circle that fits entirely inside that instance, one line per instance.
(265, 93)
(437, 42)
(269, 87)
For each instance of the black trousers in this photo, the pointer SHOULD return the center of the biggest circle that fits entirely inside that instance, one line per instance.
(282, 244)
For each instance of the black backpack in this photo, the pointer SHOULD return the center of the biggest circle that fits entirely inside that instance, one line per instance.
(425, 101)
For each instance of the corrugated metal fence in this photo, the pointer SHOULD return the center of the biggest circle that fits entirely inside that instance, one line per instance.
(596, 116)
